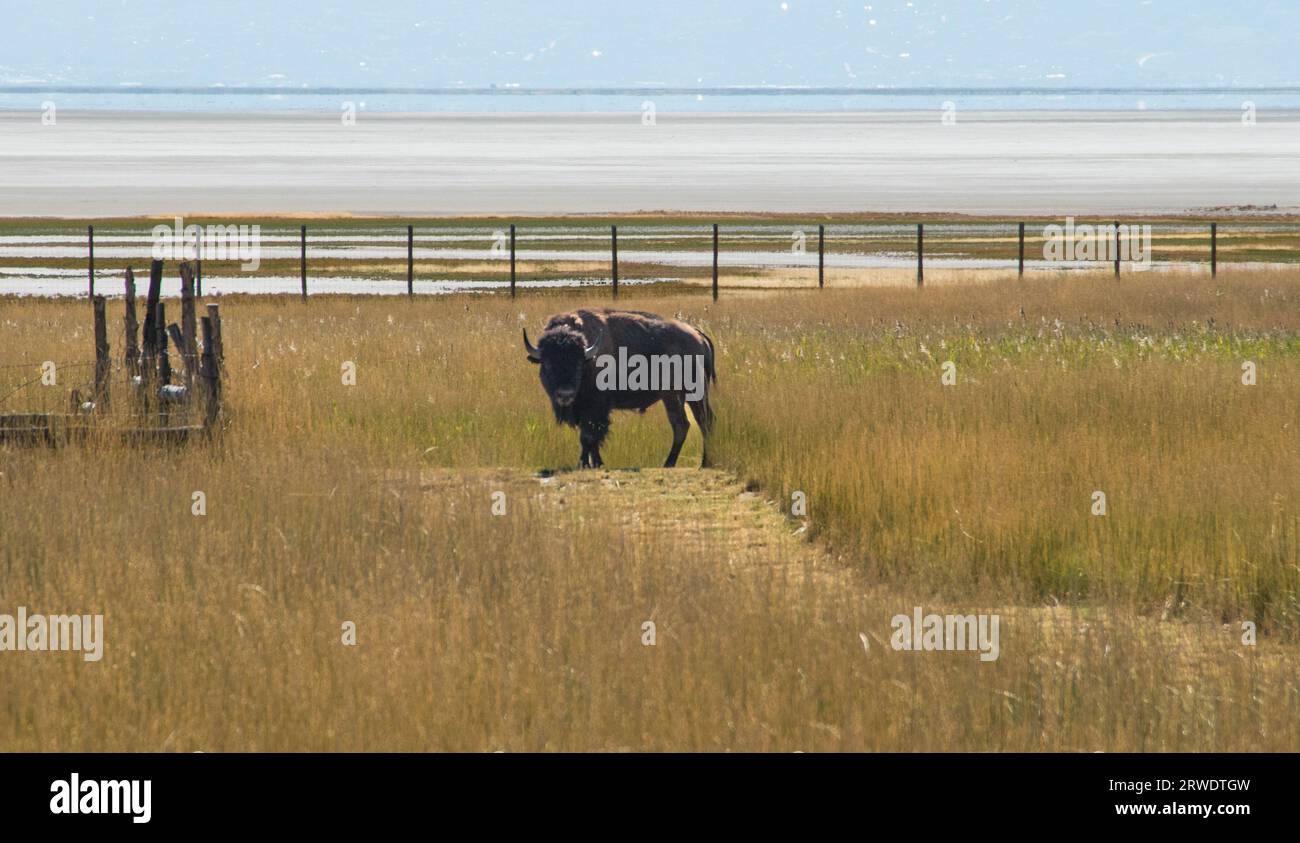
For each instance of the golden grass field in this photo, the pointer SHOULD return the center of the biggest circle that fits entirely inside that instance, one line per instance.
(523, 631)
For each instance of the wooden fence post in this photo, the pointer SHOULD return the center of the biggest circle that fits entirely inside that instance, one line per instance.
(188, 346)
(1214, 249)
(1117, 248)
(410, 261)
(103, 366)
(613, 245)
(149, 340)
(131, 352)
(303, 262)
(821, 256)
(211, 374)
(1021, 271)
(177, 342)
(715, 261)
(90, 269)
(164, 375)
(920, 254)
(218, 345)
(198, 264)
(164, 361)
(512, 260)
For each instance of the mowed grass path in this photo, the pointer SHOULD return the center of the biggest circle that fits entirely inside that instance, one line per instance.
(525, 631)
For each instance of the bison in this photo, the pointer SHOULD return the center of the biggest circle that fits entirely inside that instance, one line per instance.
(592, 362)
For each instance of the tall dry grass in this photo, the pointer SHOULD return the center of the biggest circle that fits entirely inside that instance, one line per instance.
(522, 632)
(1063, 389)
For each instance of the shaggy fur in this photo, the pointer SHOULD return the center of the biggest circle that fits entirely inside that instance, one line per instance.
(565, 371)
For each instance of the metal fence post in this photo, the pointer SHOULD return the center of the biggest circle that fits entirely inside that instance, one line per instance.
(303, 262)
(920, 254)
(715, 261)
(1021, 271)
(1214, 249)
(1117, 248)
(821, 256)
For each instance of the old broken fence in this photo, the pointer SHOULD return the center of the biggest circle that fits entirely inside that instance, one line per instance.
(143, 398)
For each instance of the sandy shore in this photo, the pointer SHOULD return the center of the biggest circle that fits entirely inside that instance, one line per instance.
(1056, 163)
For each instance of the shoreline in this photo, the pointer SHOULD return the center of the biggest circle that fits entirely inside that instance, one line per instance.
(1261, 216)
(1110, 113)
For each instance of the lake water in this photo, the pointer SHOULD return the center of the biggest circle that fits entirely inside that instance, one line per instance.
(704, 100)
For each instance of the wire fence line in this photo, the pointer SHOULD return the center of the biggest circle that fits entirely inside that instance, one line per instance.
(41, 375)
(334, 257)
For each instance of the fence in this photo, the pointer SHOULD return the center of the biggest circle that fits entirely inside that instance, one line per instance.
(999, 245)
(157, 408)
(1117, 237)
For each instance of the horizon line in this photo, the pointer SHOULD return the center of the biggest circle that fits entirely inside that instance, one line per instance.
(632, 90)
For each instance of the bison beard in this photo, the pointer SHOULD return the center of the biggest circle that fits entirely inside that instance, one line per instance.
(565, 354)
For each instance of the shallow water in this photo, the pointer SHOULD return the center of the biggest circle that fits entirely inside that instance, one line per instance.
(66, 285)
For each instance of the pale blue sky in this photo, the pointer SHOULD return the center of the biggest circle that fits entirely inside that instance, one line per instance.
(665, 42)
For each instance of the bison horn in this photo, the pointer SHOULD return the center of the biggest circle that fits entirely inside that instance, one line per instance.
(532, 351)
(590, 351)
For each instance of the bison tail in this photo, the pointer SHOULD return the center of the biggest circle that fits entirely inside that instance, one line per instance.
(710, 368)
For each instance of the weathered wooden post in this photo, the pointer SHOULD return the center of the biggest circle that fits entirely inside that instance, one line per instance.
(1021, 270)
(164, 361)
(920, 254)
(131, 352)
(103, 366)
(821, 256)
(512, 260)
(613, 245)
(149, 341)
(163, 373)
(1117, 248)
(90, 269)
(410, 261)
(211, 374)
(198, 263)
(188, 346)
(178, 342)
(1214, 249)
(715, 261)
(218, 346)
(303, 262)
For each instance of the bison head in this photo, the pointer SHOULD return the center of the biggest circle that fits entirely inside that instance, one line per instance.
(561, 354)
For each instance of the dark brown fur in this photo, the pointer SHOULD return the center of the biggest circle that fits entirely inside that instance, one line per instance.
(565, 370)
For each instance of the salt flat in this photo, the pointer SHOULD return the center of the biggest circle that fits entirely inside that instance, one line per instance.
(99, 163)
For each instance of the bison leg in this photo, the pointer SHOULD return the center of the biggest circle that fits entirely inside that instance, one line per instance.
(704, 418)
(681, 425)
(590, 436)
